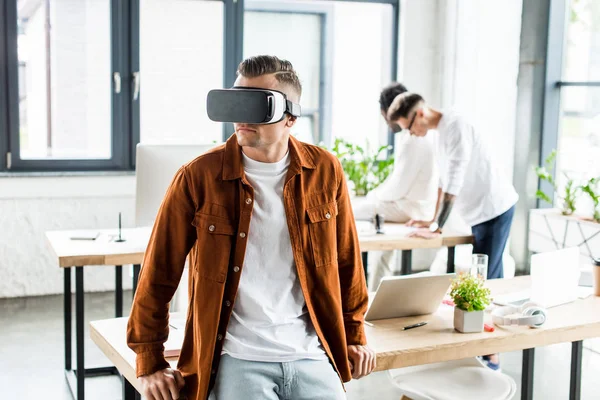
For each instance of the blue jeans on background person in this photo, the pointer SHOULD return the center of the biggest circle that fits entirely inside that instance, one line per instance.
(296, 380)
(490, 238)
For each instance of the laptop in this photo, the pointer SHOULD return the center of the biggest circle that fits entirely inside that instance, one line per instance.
(408, 295)
(554, 280)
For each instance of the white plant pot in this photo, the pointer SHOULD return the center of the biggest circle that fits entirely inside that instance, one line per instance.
(468, 321)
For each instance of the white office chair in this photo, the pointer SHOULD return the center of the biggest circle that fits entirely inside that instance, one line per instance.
(156, 166)
(466, 379)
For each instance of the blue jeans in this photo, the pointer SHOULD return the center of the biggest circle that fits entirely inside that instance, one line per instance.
(298, 380)
(490, 238)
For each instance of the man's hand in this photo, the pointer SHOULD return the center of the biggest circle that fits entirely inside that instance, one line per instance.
(362, 360)
(424, 234)
(419, 224)
(162, 385)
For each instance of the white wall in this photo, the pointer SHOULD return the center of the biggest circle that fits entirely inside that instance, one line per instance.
(30, 206)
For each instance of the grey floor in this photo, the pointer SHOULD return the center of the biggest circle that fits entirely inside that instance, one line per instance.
(32, 358)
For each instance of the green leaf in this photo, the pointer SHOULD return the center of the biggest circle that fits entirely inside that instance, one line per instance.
(543, 196)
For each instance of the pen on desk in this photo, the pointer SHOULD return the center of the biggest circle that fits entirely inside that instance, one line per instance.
(173, 326)
(415, 325)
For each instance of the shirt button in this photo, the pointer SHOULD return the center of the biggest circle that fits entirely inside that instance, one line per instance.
(328, 216)
(242, 235)
(214, 371)
(219, 337)
(228, 303)
(248, 201)
(211, 228)
(236, 269)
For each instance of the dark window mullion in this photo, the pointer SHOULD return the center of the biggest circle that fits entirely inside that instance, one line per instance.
(134, 59)
(3, 89)
(121, 104)
(233, 31)
(580, 84)
(12, 75)
(551, 107)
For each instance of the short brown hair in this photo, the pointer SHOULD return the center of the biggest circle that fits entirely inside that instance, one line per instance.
(262, 65)
(403, 105)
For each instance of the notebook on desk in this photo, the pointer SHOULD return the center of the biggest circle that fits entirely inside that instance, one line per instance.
(176, 333)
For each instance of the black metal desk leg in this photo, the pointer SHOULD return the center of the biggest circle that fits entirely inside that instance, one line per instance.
(129, 392)
(365, 261)
(406, 262)
(67, 316)
(79, 333)
(118, 291)
(450, 263)
(136, 276)
(576, 357)
(527, 374)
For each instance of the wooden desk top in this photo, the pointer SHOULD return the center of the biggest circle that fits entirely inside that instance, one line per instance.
(105, 251)
(395, 238)
(102, 251)
(435, 342)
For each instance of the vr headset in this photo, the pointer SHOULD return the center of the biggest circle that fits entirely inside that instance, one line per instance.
(249, 105)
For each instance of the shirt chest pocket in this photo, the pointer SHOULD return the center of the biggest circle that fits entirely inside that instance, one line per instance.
(323, 233)
(214, 244)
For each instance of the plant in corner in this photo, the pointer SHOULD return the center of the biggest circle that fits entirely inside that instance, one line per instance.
(470, 299)
(571, 191)
(592, 189)
(366, 170)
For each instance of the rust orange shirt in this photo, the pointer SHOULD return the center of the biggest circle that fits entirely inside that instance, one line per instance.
(206, 213)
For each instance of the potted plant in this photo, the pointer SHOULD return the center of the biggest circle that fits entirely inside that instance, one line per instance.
(571, 191)
(592, 189)
(470, 299)
(364, 169)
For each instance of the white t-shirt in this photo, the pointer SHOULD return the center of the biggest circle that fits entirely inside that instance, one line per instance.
(414, 177)
(270, 321)
(469, 171)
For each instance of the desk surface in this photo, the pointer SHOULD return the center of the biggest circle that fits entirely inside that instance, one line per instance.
(105, 251)
(435, 342)
(102, 251)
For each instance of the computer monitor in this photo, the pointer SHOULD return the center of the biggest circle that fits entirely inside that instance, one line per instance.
(156, 165)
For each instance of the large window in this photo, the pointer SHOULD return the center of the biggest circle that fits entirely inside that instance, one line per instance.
(83, 81)
(578, 92)
(343, 53)
(181, 59)
(64, 79)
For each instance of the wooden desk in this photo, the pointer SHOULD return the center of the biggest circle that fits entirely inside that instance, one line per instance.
(435, 342)
(395, 238)
(104, 250)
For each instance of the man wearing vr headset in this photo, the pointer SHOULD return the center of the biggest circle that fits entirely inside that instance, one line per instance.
(277, 290)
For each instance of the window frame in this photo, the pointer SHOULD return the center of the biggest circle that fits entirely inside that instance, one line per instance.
(322, 113)
(557, 37)
(125, 111)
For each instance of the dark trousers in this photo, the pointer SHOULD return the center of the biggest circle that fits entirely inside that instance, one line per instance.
(490, 238)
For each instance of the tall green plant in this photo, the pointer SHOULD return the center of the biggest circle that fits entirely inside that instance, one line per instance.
(571, 190)
(592, 189)
(363, 168)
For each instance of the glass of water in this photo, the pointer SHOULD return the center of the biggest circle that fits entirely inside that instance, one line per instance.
(480, 265)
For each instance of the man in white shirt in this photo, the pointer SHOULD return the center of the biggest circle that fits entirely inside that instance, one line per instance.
(409, 191)
(471, 181)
